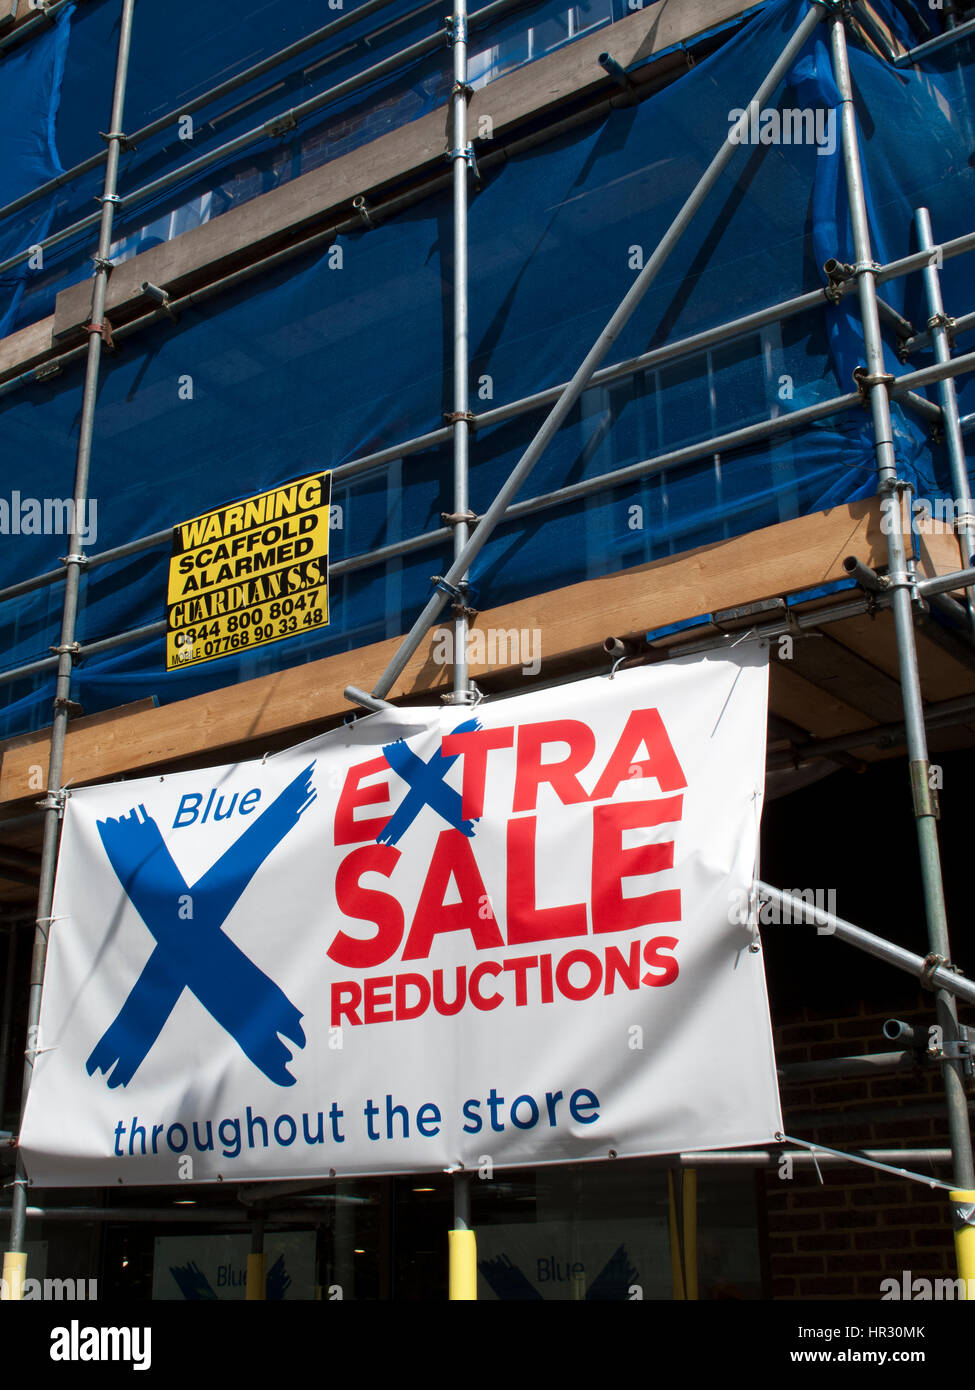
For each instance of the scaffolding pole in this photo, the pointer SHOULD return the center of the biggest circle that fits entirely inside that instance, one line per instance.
(68, 646)
(938, 327)
(570, 395)
(461, 1241)
(893, 494)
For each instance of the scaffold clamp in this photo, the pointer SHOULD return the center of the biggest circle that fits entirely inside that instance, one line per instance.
(867, 380)
(451, 590)
(933, 962)
(465, 152)
(454, 417)
(104, 331)
(53, 801)
(124, 142)
(944, 321)
(459, 518)
(455, 29)
(281, 125)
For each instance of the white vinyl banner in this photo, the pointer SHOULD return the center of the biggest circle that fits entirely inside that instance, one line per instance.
(436, 937)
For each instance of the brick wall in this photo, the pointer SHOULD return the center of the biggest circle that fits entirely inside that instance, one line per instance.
(841, 1237)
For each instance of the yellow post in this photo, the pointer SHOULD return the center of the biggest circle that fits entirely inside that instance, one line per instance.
(14, 1269)
(963, 1223)
(690, 1233)
(462, 1250)
(676, 1264)
(256, 1277)
(683, 1234)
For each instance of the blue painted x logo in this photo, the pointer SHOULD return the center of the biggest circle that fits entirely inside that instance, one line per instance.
(426, 788)
(196, 954)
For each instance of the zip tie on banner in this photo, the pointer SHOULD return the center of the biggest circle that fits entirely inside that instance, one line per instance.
(865, 1162)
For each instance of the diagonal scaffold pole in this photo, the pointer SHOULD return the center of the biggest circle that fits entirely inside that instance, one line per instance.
(448, 586)
(15, 1259)
(892, 490)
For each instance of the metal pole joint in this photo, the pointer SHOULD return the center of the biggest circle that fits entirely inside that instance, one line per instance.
(65, 703)
(465, 152)
(867, 380)
(104, 331)
(454, 417)
(461, 697)
(838, 274)
(281, 125)
(925, 796)
(74, 560)
(124, 143)
(459, 518)
(945, 321)
(53, 801)
(932, 962)
(455, 29)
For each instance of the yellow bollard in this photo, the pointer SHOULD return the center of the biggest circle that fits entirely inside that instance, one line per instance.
(462, 1249)
(683, 1233)
(690, 1233)
(14, 1269)
(676, 1263)
(256, 1277)
(963, 1224)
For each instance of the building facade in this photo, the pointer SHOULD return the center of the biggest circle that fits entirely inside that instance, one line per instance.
(246, 247)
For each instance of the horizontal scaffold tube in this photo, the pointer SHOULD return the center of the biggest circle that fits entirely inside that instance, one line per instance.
(934, 974)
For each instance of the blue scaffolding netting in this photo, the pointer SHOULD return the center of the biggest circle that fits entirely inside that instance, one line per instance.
(346, 351)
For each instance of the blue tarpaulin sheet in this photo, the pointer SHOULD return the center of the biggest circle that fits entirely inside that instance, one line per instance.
(334, 356)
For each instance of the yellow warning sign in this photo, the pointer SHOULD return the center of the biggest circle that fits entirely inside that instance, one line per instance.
(249, 573)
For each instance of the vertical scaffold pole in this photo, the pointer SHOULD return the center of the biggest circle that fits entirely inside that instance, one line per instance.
(6, 1014)
(462, 1253)
(925, 806)
(461, 157)
(97, 330)
(614, 327)
(948, 395)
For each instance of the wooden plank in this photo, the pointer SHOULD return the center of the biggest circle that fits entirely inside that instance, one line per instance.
(29, 345)
(781, 559)
(873, 638)
(572, 72)
(30, 755)
(796, 699)
(842, 673)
